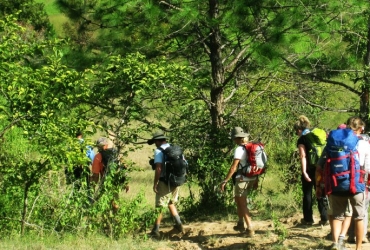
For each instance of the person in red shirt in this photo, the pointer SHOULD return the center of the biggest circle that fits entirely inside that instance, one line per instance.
(98, 164)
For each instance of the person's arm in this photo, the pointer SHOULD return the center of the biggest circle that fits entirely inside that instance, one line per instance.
(367, 157)
(302, 156)
(157, 174)
(233, 168)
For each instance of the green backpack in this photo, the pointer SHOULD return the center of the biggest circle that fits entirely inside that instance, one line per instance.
(316, 139)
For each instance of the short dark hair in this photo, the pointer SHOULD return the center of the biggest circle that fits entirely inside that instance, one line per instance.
(78, 133)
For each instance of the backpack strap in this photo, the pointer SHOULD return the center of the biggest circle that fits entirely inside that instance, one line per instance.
(161, 178)
(244, 147)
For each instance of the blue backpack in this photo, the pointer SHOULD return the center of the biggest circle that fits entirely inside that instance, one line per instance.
(343, 173)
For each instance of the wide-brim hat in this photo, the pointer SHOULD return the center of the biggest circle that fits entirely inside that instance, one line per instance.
(238, 132)
(158, 135)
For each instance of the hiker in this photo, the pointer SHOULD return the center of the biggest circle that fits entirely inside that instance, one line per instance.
(99, 169)
(347, 160)
(165, 195)
(320, 194)
(81, 172)
(356, 122)
(243, 184)
(302, 129)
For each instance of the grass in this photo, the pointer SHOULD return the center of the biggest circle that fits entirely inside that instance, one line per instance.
(56, 18)
(50, 6)
(35, 242)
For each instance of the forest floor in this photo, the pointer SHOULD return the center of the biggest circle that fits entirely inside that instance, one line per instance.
(289, 234)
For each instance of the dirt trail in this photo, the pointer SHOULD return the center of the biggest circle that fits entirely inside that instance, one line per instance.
(220, 235)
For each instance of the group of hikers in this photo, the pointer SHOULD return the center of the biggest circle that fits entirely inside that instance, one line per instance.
(92, 174)
(337, 168)
(334, 163)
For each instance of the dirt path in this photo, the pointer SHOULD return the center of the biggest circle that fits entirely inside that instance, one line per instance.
(220, 235)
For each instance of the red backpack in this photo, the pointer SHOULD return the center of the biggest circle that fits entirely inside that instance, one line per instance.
(256, 159)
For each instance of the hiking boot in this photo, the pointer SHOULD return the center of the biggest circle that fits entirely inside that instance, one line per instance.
(334, 246)
(239, 227)
(324, 222)
(309, 223)
(341, 243)
(179, 228)
(155, 234)
(249, 232)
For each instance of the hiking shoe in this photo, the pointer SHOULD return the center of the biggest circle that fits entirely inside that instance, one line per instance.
(341, 243)
(239, 227)
(155, 234)
(323, 222)
(334, 246)
(303, 222)
(179, 228)
(249, 232)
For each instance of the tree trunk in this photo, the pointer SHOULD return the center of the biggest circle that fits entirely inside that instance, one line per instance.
(364, 104)
(25, 206)
(217, 89)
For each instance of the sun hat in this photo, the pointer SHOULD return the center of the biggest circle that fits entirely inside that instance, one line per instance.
(238, 132)
(158, 135)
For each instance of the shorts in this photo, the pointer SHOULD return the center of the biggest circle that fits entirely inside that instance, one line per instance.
(347, 213)
(243, 188)
(166, 195)
(340, 203)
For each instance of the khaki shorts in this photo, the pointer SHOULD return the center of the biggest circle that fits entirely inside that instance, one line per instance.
(166, 195)
(340, 203)
(347, 213)
(243, 188)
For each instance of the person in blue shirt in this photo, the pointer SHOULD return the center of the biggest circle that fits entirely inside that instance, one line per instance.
(81, 173)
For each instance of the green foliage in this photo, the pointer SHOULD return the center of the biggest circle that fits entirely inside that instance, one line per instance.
(279, 228)
(28, 11)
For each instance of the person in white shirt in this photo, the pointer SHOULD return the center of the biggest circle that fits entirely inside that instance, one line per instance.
(358, 126)
(243, 185)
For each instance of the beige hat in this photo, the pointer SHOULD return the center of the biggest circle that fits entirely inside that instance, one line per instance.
(238, 132)
(158, 135)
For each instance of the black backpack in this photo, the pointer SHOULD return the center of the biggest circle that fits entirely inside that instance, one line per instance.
(175, 165)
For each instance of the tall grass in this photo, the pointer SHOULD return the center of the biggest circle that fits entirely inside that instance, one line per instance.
(80, 242)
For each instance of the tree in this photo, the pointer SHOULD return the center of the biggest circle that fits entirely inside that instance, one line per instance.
(47, 102)
(235, 50)
(336, 53)
(39, 98)
(29, 12)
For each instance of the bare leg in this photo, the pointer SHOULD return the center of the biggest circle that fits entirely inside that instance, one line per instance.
(238, 210)
(173, 210)
(359, 231)
(345, 225)
(241, 203)
(159, 219)
(336, 229)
